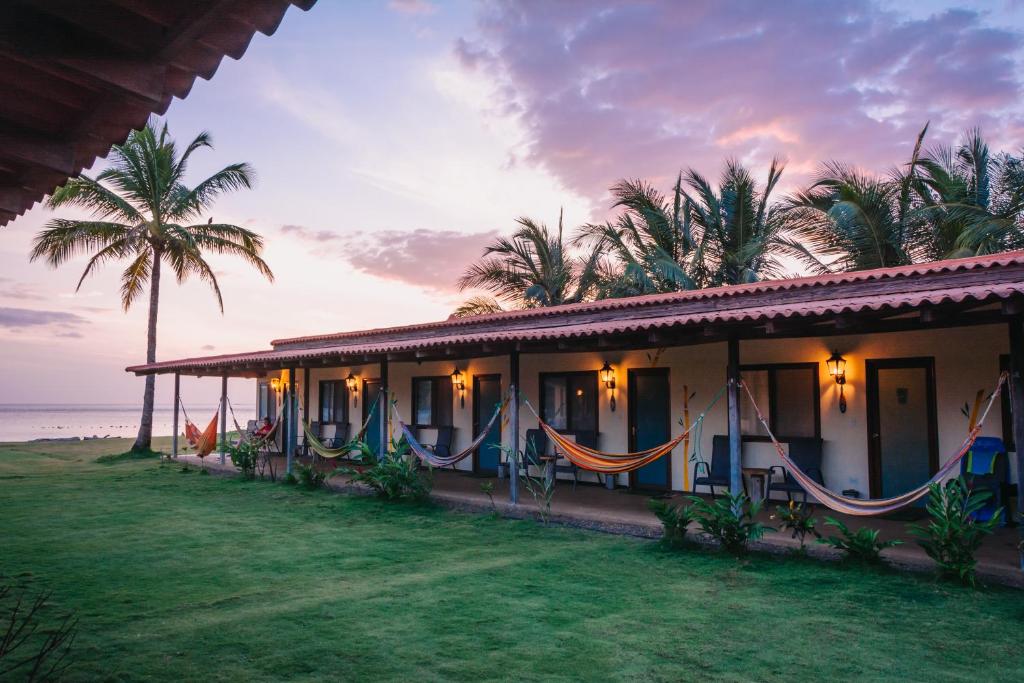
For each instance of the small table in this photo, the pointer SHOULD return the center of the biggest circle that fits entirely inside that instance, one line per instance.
(762, 473)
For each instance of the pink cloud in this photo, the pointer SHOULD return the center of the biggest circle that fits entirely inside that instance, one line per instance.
(412, 6)
(618, 89)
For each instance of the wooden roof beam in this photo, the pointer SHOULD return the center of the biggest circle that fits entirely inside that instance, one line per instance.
(54, 156)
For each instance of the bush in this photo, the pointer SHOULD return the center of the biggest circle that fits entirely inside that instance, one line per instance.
(245, 456)
(862, 544)
(310, 477)
(796, 517)
(730, 521)
(674, 518)
(33, 647)
(396, 476)
(953, 535)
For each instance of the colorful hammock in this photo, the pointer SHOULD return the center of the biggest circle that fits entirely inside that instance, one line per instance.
(877, 506)
(594, 460)
(434, 460)
(318, 447)
(207, 440)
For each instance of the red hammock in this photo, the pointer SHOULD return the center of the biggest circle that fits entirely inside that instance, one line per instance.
(205, 441)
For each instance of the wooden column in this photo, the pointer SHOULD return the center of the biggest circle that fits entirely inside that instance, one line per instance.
(735, 444)
(223, 416)
(174, 420)
(1017, 409)
(513, 423)
(289, 421)
(305, 407)
(383, 409)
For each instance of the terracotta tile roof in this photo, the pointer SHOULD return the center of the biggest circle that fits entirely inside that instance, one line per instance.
(961, 281)
(79, 76)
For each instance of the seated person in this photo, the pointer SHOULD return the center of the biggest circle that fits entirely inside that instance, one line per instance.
(265, 427)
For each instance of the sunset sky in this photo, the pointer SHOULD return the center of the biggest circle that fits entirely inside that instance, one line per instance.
(393, 140)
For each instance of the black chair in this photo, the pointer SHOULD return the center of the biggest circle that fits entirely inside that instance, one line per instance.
(536, 446)
(717, 473)
(442, 446)
(805, 452)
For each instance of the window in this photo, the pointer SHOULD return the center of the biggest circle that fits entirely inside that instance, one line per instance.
(333, 401)
(432, 401)
(789, 393)
(1004, 398)
(568, 401)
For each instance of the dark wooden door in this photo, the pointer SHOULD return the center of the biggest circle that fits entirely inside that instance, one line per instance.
(650, 424)
(486, 397)
(902, 424)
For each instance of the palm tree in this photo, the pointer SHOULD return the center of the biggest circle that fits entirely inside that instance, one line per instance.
(531, 268)
(972, 201)
(651, 245)
(143, 212)
(743, 230)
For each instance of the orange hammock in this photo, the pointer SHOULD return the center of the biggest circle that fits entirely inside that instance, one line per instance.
(878, 506)
(594, 460)
(206, 440)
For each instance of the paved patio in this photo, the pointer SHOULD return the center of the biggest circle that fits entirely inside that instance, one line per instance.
(625, 512)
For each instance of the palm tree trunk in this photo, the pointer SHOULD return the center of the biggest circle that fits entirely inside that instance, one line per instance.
(144, 440)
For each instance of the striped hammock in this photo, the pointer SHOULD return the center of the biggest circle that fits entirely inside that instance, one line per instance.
(879, 506)
(207, 439)
(318, 447)
(434, 460)
(594, 460)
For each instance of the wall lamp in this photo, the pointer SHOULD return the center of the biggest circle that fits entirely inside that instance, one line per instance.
(352, 382)
(608, 377)
(459, 384)
(277, 384)
(837, 370)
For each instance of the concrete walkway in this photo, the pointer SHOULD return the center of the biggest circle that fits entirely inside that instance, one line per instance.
(624, 512)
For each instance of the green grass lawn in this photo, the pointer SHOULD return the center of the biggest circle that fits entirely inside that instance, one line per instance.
(188, 577)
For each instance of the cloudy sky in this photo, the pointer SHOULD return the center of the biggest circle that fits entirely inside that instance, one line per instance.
(392, 140)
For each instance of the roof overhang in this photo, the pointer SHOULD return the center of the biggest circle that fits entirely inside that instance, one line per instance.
(78, 76)
(954, 293)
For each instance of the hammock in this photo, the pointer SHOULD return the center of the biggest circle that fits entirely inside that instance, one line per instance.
(207, 440)
(434, 460)
(879, 506)
(318, 447)
(594, 460)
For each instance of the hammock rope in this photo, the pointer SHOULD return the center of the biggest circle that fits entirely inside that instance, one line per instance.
(434, 460)
(593, 460)
(876, 506)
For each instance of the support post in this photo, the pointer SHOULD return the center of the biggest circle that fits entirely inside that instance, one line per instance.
(513, 421)
(174, 420)
(289, 422)
(223, 416)
(382, 408)
(305, 408)
(1016, 389)
(735, 444)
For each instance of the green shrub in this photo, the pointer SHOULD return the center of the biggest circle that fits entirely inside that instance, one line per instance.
(729, 520)
(245, 456)
(395, 476)
(863, 544)
(797, 518)
(674, 518)
(309, 477)
(953, 536)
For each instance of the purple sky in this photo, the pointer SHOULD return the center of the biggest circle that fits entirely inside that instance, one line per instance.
(393, 140)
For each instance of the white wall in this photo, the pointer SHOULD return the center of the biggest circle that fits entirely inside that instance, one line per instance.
(966, 360)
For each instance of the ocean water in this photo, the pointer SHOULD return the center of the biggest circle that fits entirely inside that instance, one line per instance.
(19, 422)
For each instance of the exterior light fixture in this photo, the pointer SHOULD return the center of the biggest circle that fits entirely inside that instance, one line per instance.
(459, 384)
(275, 383)
(608, 377)
(352, 382)
(837, 370)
